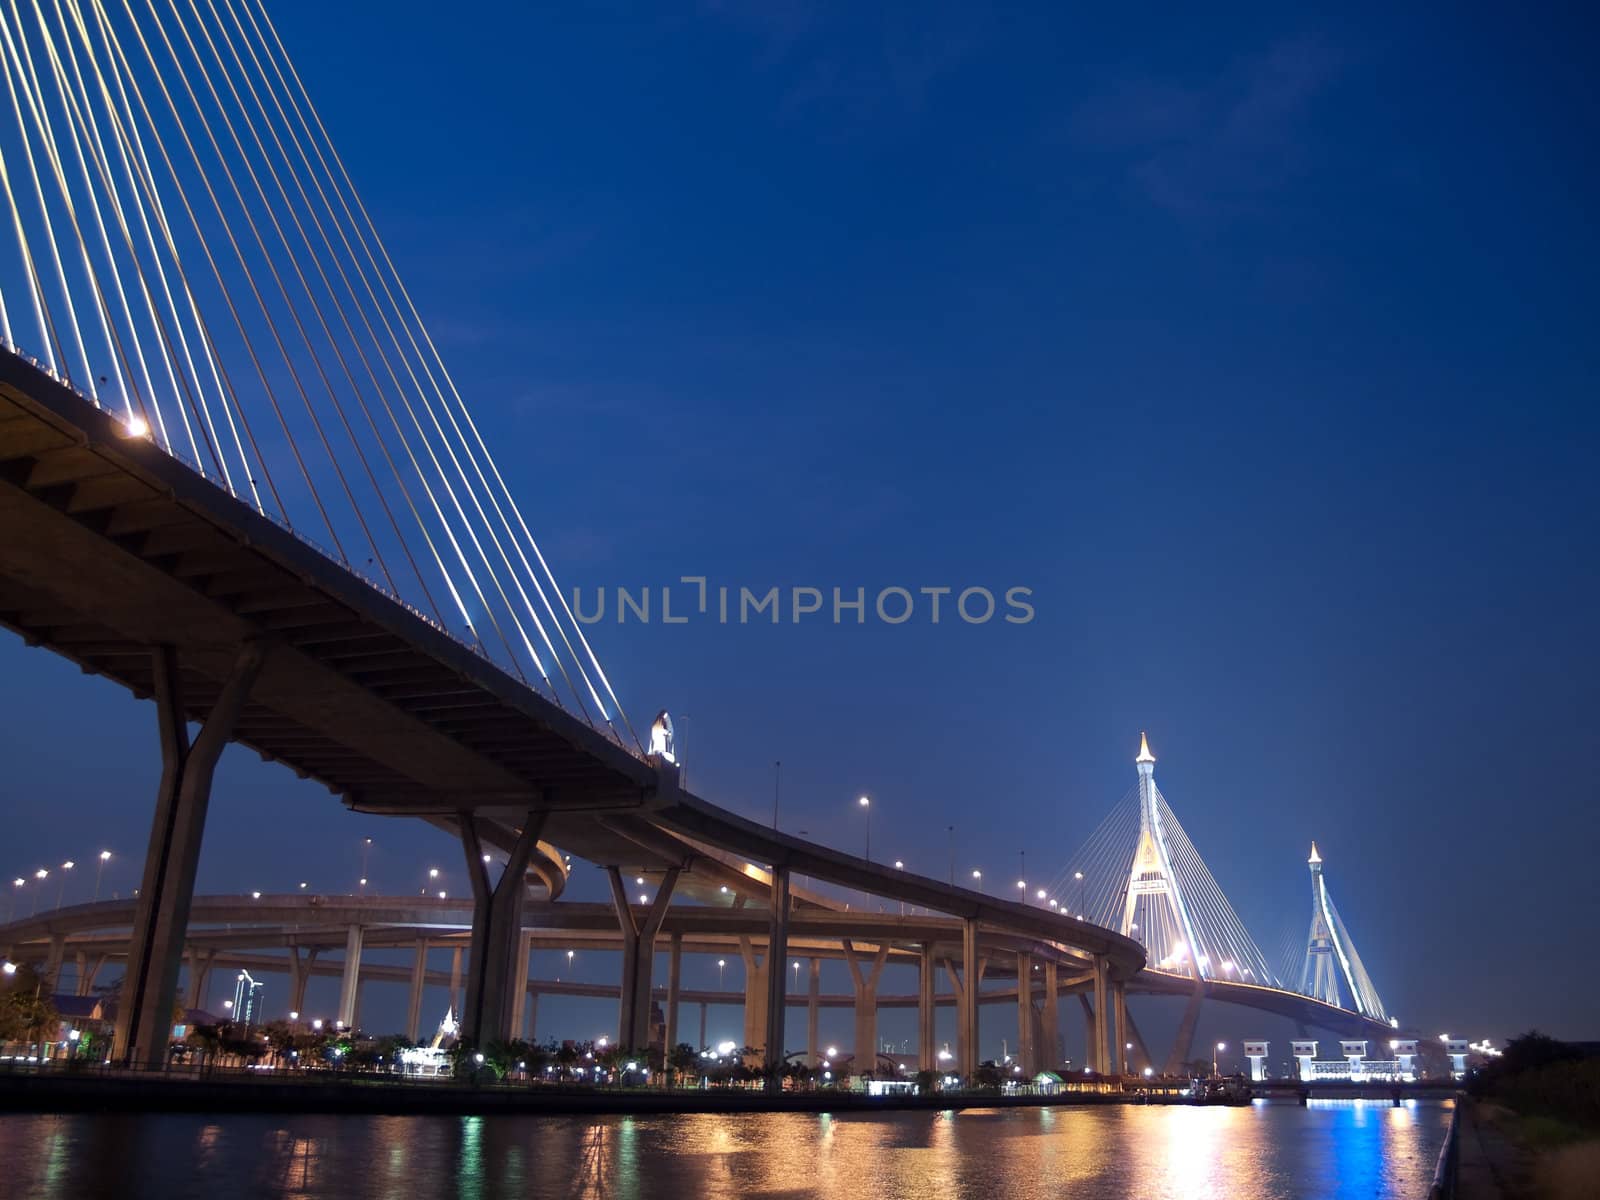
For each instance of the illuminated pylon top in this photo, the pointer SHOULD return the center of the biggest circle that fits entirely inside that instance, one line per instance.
(1316, 859)
(1144, 751)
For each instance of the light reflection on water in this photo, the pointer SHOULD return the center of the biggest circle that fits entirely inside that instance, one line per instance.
(1275, 1151)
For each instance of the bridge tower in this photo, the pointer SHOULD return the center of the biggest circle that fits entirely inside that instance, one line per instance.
(1332, 963)
(1318, 977)
(1152, 873)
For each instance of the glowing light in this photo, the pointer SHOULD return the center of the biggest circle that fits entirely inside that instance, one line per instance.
(255, 895)
(1040, 894)
(10, 968)
(898, 865)
(1315, 859)
(136, 427)
(864, 802)
(726, 1048)
(105, 855)
(639, 879)
(831, 1051)
(1144, 751)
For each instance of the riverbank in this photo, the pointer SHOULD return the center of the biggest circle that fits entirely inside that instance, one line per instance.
(1506, 1156)
(330, 1093)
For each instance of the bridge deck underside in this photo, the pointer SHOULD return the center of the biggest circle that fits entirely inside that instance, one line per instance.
(111, 548)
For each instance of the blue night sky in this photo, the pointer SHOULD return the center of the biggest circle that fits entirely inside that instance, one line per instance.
(1258, 344)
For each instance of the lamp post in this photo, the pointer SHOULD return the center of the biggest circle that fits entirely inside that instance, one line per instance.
(41, 875)
(1082, 902)
(366, 845)
(866, 809)
(105, 857)
(721, 965)
(17, 885)
(1221, 1046)
(977, 879)
(61, 889)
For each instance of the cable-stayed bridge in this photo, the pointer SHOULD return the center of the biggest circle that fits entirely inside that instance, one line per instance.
(1140, 874)
(237, 477)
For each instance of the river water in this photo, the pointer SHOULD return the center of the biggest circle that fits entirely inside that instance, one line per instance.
(1270, 1150)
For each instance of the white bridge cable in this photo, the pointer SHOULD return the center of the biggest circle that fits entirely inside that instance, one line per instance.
(145, 197)
(122, 70)
(63, 368)
(27, 76)
(406, 323)
(493, 575)
(383, 317)
(105, 210)
(1217, 941)
(1364, 994)
(74, 95)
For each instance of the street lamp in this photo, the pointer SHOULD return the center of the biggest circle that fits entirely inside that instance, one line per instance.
(570, 953)
(1221, 1046)
(61, 891)
(721, 964)
(366, 844)
(977, 879)
(105, 857)
(41, 875)
(1082, 906)
(797, 974)
(866, 809)
(17, 885)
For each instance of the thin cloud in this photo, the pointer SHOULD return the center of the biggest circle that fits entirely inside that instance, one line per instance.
(1219, 145)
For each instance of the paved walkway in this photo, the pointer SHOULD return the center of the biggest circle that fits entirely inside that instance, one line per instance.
(1491, 1165)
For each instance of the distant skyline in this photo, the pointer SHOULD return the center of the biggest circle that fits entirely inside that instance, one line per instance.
(1256, 344)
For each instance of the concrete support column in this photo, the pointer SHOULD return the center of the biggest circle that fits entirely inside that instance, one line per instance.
(967, 1001)
(350, 977)
(519, 985)
(496, 931)
(1025, 1014)
(80, 974)
(419, 978)
(299, 976)
(813, 1010)
(52, 963)
(457, 1004)
(638, 957)
(866, 988)
(1183, 1043)
(161, 916)
(199, 974)
(674, 989)
(1102, 1013)
(1090, 1025)
(755, 994)
(1137, 1038)
(1050, 1018)
(1119, 1027)
(927, 1055)
(777, 976)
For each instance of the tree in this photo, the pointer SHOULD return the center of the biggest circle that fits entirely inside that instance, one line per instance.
(26, 1013)
(683, 1060)
(926, 1081)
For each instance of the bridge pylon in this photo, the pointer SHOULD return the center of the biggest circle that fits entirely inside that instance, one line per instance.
(1332, 964)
